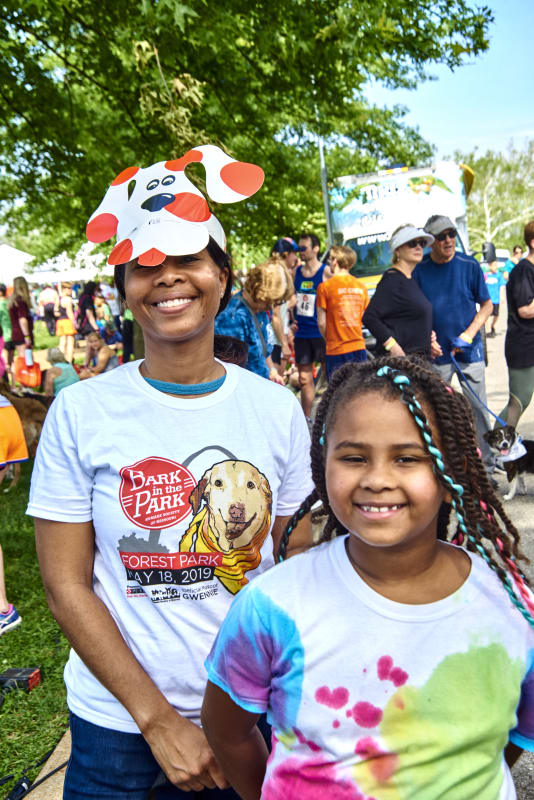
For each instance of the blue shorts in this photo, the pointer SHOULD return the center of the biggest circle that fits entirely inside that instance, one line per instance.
(334, 362)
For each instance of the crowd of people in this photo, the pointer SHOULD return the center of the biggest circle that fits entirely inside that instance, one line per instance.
(218, 649)
(90, 314)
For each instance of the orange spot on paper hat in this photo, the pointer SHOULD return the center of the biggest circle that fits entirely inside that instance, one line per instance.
(157, 211)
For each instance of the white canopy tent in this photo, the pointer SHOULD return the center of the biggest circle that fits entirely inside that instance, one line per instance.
(13, 263)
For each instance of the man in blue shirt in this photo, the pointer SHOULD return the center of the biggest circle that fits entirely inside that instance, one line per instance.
(454, 283)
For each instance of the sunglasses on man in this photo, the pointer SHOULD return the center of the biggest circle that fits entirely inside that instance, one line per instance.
(451, 234)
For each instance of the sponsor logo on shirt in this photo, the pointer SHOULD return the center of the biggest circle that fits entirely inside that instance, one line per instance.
(154, 493)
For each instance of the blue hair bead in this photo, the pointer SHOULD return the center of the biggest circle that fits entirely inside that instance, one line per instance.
(401, 379)
(321, 438)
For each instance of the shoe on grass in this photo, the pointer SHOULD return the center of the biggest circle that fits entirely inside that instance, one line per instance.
(9, 619)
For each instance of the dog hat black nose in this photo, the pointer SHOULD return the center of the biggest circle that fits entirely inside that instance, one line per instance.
(157, 201)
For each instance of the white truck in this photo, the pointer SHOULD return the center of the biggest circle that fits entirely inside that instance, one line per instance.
(366, 209)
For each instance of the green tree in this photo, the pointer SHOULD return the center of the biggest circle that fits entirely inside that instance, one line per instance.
(502, 198)
(90, 87)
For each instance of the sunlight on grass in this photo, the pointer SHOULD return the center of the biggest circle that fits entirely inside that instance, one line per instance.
(42, 339)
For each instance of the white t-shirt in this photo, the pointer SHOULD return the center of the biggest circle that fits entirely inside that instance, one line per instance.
(182, 494)
(111, 296)
(370, 698)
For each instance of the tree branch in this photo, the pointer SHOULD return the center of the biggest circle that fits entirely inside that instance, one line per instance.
(514, 220)
(81, 71)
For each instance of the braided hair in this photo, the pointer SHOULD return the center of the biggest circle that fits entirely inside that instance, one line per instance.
(481, 522)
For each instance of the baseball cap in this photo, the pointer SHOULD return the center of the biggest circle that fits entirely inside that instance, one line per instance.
(286, 245)
(407, 234)
(438, 223)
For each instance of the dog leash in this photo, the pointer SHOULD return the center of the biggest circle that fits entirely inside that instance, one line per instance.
(518, 445)
(462, 377)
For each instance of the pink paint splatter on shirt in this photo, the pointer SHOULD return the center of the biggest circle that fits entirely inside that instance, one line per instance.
(336, 723)
(367, 715)
(337, 698)
(387, 672)
(308, 742)
(315, 779)
(348, 713)
(398, 676)
(381, 764)
(383, 667)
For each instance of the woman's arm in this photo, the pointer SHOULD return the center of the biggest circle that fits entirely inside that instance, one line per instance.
(51, 373)
(66, 552)
(377, 311)
(273, 372)
(278, 327)
(236, 741)
(69, 311)
(91, 318)
(23, 315)
(382, 304)
(104, 354)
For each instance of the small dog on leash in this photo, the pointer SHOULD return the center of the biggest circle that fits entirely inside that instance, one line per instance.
(501, 441)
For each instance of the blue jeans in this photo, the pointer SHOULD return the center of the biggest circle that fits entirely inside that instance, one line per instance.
(334, 362)
(120, 766)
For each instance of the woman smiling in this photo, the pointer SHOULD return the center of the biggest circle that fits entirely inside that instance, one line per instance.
(160, 489)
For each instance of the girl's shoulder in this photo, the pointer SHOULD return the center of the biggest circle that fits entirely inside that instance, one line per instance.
(498, 599)
(288, 579)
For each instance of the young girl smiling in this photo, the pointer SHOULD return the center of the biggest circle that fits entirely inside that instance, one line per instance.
(392, 665)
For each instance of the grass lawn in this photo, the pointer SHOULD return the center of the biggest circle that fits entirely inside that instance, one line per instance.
(42, 339)
(30, 724)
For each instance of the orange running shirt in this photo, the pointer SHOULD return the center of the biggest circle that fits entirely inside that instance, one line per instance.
(12, 443)
(344, 298)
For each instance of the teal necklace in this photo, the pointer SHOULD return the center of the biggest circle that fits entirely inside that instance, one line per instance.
(186, 388)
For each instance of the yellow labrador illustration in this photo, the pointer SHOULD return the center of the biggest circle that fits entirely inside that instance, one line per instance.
(232, 504)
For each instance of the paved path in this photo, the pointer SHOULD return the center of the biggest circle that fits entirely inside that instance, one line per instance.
(520, 508)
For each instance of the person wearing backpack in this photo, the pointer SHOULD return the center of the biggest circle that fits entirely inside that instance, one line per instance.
(85, 316)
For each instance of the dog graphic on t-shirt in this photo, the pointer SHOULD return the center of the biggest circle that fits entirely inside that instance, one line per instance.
(232, 505)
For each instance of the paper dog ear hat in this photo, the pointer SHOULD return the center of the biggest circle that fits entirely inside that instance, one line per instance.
(165, 214)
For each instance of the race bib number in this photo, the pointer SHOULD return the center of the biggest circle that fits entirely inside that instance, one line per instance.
(305, 304)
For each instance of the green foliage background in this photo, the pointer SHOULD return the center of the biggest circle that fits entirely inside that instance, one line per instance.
(502, 198)
(88, 88)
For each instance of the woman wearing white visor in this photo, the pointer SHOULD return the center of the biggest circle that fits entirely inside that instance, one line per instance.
(160, 489)
(399, 316)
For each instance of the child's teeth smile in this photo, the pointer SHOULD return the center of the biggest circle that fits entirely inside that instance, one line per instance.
(379, 509)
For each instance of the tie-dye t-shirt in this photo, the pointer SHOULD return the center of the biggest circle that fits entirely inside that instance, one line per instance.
(376, 700)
